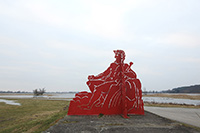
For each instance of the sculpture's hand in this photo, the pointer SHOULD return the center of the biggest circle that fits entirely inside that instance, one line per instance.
(130, 64)
(90, 77)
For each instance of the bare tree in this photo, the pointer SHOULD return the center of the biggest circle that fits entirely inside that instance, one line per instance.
(38, 92)
(145, 91)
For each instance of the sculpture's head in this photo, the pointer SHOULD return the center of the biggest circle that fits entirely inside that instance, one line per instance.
(119, 55)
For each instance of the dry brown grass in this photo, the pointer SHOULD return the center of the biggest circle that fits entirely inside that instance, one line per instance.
(170, 105)
(179, 96)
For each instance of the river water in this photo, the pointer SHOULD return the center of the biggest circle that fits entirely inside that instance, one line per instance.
(11, 102)
(171, 100)
(68, 96)
(49, 96)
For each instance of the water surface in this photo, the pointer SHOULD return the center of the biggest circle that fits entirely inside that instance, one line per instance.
(171, 100)
(11, 102)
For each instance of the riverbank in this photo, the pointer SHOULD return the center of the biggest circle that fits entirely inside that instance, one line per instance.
(192, 96)
(166, 105)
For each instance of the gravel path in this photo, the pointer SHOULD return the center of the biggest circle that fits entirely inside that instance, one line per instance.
(149, 122)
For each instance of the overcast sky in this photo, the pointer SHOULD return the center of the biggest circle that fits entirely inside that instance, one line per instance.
(56, 44)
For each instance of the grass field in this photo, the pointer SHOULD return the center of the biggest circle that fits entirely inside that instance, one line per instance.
(34, 115)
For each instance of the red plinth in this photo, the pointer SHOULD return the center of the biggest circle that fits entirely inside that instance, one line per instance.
(115, 91)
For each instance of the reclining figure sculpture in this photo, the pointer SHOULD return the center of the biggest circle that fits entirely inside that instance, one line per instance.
(115, 91)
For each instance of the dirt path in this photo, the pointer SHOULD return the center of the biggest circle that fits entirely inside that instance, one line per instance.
(107, 124)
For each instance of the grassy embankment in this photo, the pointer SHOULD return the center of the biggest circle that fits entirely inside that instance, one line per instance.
(34, 115)
(178, 96)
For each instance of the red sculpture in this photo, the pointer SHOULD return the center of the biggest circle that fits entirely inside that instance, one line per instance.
(115, 91)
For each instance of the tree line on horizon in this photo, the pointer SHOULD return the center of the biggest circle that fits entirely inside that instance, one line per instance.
(184, 89)
(15, 92)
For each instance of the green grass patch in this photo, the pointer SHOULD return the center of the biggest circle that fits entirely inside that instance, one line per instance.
(66, 121)
(101, 115)
(34, 115)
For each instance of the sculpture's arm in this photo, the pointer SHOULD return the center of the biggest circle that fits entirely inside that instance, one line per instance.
(128, 71)
(101, 75)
